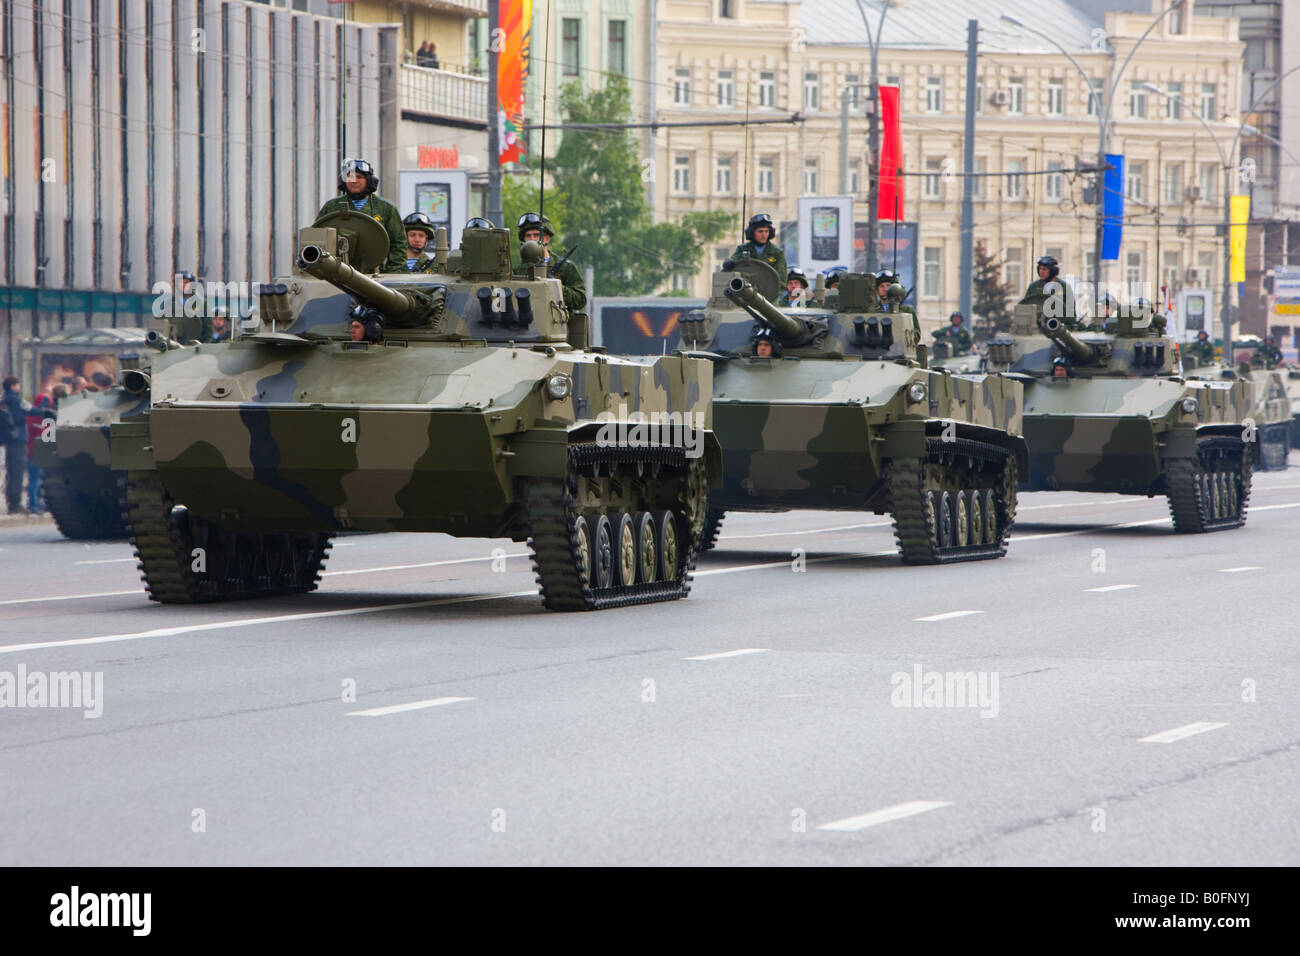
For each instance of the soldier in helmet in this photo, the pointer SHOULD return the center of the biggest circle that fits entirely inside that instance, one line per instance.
(1202, 348)
(760, 243)
(956, 335)
(1267, 355)
(1049, 271)
(357, 184)
(890, 294)
(419, 230)
(537, 228)
(766, 343)
(796, 288)
(194, 324)
(365, 324)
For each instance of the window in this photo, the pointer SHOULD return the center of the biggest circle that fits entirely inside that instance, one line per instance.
(1174, 101)
(617, 56)
(894, 81)
(766, 175)
(1205, 269)
(1137, 101)
(682, 87)
(1209, 178)
(1209, 101)
(681, 281)
(1015, 181)
(1176, 20)
(571, 45)
(1089, 256)
(1173, 183)
(810, 175)
(1053, 183)
(1056, 252)
(930, 284)
(979, 96)
(853, 86)
(727, 8)
(811, 92)
(722, 181)
(933, 187)
(1133, 274)
(1016, 89)
(1013, 270)
(767, 89)
(1136, 174)
(726, 89)
(681, 173)
(855, 177)
(1171, 268)
(1056, 97)
(978, 190)
(934, 94)
(1095, 91)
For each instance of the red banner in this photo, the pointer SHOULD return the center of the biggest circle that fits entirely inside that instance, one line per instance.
(890, 187)
(513, 41)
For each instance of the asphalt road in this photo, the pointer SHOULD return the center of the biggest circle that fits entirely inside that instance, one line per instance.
(641, 736)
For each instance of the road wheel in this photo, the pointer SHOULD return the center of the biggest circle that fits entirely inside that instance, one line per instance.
(603, 553)
(647, 548)
(625, 549)
(668, 546)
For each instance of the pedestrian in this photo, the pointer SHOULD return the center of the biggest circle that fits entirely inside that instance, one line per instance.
(357, 184)
(422, 55)
(35, 426)
(13, 433)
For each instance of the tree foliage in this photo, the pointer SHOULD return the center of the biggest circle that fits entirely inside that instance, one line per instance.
(990, 293)
(596, 199)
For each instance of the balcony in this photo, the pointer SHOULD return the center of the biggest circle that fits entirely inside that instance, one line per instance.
(443, 95)
(469, 8)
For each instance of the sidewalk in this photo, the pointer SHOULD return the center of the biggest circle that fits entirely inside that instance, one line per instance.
(8, 520)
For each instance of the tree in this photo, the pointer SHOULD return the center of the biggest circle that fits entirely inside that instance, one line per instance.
(990, 292)
(597, 200)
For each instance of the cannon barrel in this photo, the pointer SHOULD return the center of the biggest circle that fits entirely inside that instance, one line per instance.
(788, 329)
(1058, 333)
(398, 307)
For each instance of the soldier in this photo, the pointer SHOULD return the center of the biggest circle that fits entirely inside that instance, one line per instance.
(1267, 355)
(833, 276)
(220, 325)
(1061, 368)
(1107, 306)
(760, 243)
(371, 322)
(536, 228)
(1202, 349)
(766, 343)
(890, 295)
(1048, 271)
(796, 288)
(955, 335)
(419, 230)
(194, 324)
(357, 183)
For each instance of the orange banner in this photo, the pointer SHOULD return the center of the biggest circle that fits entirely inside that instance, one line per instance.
(513, 42)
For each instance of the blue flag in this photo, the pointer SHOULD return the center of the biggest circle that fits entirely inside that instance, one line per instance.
(1112, 205)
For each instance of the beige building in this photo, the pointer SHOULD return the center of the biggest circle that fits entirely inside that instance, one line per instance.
(1035, 122)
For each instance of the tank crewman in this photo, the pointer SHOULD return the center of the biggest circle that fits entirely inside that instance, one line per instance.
(766, 343)
(371, 322)
(194, 324)
(357, 183)
(1048, 271)
(956, 335)
(796, 289)
(419, 230)
(1202, 348)
(1107, 306)
(1267, 355)
(220, 325)
(890, 294)
(760, 243)
(833, 276)
(537, 228)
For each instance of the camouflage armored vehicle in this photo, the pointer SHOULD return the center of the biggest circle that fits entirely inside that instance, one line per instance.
(845, 415)
(1111, 412)
(79, 487)
(458, 402)
(1270, 408)
(1292, 382)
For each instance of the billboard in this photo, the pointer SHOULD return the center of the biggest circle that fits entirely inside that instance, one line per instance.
(639, 326)
(825, 236)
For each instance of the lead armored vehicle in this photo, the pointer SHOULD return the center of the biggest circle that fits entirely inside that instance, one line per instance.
(845, 415)
(466, 404)
(1111, 412)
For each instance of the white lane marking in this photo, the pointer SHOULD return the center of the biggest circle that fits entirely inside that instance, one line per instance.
(1247, 567)
(1101, 527)
(1253, 508)
(742, 651)
(1082, 504)
(782, 534)
(252, 621)
(946, 615)
(1178, 733)
(72, 597)
(106, 561)
(400, 708)
(897, 812)
(425, 564)
(1112, 587)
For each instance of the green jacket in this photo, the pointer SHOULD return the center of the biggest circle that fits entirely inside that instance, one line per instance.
(1036, 295)
(422, 263)
(772, 254)
(384, 213)
(575, 290)
(193, 328)
(958, 338)
(1266, 356)
(1203, 351)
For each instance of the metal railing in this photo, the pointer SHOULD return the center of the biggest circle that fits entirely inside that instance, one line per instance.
(443, 93)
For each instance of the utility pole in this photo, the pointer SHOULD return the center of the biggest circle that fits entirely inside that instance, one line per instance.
(968, 181)
(494, 213)
(873, 138)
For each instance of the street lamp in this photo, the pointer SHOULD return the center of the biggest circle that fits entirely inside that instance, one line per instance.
(1103, 116)
(873, 181)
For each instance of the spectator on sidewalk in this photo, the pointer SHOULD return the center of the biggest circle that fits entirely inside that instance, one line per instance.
(13, 433)
(35, 425)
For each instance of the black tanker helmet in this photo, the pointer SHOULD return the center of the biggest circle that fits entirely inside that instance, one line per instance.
(358, 166)
(760, 219)
(1053, 267)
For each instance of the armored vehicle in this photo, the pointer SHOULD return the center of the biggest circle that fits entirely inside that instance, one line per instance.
(1111, 412)
(79, 487)
(461, 402)
(1271, 414)
(845, 415)
(1292, 382)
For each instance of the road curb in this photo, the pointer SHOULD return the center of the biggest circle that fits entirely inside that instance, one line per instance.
(10, 521)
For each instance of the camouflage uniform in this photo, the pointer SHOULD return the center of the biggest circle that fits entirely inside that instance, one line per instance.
(1203, 351)
(1036, 294)
(421, 263)
(1266, 356)
(772, 254)
(958, 338)
(384, 213)
(575, 290)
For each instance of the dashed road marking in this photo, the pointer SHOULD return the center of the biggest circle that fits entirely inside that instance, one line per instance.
(106, 561)
(897, 812)
(426, 564)
(739, 653)
(72, 597)
(1247, 567)
(1178, 733)
(1112, 587)
(947, 615)
(401, 708)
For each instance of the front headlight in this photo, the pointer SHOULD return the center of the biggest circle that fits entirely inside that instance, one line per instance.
(1189, 406)
(916, 392)
(558, 386)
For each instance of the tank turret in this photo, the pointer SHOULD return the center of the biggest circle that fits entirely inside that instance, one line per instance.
(791, 331)
(401, 308)
(1055, 330)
